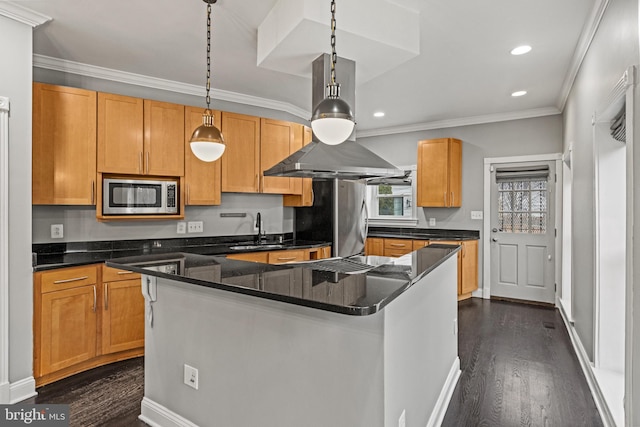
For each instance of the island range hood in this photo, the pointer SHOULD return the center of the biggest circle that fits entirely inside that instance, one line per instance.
(348, 160)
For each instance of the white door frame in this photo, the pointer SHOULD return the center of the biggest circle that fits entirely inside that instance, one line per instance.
(486, 244)
(4, 251)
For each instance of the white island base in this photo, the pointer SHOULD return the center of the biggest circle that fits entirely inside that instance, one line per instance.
(267, 363)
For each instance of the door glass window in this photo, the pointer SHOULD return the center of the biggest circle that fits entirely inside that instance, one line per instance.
(522, 205)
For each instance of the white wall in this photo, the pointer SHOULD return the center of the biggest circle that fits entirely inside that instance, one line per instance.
(15, 83)
(542, 135)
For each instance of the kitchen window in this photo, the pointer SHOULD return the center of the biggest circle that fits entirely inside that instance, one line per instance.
(391, 201)
(522, 200)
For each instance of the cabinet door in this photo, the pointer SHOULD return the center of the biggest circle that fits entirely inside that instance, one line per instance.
(433, 173)
(241, 158)
(120, 134)
(163, 138)
(455, 173)
(419, 244)
(64, 145)
(303, 187)
(122, 316)
(202, 179)
(281, 282)
(469, 267)
(280, 257)
(68, 325)
(374, 246)
(278, 139)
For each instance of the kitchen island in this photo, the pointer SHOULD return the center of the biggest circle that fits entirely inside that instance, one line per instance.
(292, 345)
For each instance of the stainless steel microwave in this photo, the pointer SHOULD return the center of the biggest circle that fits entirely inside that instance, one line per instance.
(139, 197)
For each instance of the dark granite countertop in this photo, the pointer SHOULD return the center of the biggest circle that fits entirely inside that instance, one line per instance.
(70, 254)
(357, 294)
(423, 233)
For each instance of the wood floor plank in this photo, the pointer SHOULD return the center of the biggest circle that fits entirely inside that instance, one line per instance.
(518, 369)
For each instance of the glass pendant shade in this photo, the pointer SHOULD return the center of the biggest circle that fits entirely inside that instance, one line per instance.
(332, 121)
(207, 142)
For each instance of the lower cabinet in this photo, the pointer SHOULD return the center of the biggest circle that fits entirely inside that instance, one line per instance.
(81, 322)
(467, 257)
(284, 256)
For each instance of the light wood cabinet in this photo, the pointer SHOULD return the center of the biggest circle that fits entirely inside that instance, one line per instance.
(122, 311)
(467, 266)
(241, 158)
(64, 145)
(374, 246)
(163, 138)
(303, 192)
(283, 256)
(419, 244)
(120, 134)
(397, 247)
(81, 322)
(279, 139)
(139, 136)
(202, 179)
(439, 173)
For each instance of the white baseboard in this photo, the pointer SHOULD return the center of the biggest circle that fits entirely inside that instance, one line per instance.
(438, 413)
(585, 364)
(22, 390)
(157, 415)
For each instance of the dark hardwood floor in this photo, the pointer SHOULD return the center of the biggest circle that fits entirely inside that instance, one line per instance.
(518, 369)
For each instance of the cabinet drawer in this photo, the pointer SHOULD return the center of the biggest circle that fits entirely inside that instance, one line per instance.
(398, 244)
(419, 244)
(110, 274)
(67, 278)
(279, 257)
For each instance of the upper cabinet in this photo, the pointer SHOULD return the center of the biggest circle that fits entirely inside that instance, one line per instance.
(241, 158)
(202, 179)
(303, 187)
(120, 134)
(64, 145)
(440, 173)
(140, 137)
(278, 139)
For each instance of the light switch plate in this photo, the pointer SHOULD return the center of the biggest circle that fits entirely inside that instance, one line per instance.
(182, 227)
(476, 215)
(432, 222)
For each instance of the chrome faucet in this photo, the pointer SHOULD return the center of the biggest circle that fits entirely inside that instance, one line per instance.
(260, 236)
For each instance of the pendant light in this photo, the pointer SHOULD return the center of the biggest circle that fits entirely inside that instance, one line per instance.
(207, 143)
(332, 121)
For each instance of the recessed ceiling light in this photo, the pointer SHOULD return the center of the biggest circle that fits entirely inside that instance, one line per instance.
(378, 114)
(519, 93)
(521, 50)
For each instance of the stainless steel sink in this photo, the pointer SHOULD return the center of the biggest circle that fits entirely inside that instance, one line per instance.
(251, 247)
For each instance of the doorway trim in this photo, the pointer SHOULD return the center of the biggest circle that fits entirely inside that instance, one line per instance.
(486, 226)
(5, 386)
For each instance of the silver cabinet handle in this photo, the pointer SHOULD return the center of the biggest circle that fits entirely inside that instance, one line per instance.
(106, 296)
(398, 245)
(286, 258)
(445, 198)
(140, 162)
(126, 272)
(95, 301)
(75, 279)
(147, 162)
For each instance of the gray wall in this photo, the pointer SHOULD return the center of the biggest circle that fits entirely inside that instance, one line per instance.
(15, 83)
(80, 223)
(614, 48)
(542, 135)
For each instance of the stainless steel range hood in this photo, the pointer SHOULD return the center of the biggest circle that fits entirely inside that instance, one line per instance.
(348, 160)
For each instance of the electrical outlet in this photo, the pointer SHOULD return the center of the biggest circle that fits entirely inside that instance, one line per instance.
(195, 227)
(182, 227)
(476, 214)
(402, 421)
(432, 222)
(57, 231)
(191, 376)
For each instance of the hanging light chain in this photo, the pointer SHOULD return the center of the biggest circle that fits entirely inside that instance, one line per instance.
(334, 56)
(208, 98)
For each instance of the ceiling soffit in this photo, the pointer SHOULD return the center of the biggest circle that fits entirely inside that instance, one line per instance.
(378, 39)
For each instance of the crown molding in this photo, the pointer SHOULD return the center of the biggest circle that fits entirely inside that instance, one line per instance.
(72, 67)
(589, 31)
(22, 14)
(463, 121)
